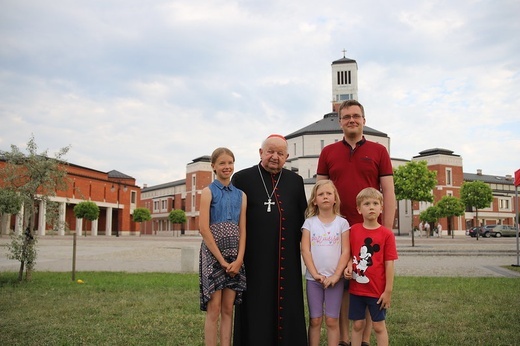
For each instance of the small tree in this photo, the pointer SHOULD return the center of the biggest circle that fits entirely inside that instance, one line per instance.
(142, 215)
(86, 210)
(177, 216)
(415, 182)
(476, 194)
(449, 207)
(35, 178)
(10, 203)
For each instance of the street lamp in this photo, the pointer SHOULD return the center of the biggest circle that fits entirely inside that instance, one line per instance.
(118, 211)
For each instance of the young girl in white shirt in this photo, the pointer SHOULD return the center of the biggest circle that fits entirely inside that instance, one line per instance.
(326, 251)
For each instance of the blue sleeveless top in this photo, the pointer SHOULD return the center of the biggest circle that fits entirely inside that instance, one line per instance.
(226, 203)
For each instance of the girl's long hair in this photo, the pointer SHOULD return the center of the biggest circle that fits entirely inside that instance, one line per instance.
(312, 209)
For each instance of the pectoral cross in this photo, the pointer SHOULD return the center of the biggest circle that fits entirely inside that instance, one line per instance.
(269, 203)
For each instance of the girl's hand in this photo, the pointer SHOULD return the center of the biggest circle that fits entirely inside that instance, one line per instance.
(233, 268)
(225, 265)
(331, 281)
(319, 278)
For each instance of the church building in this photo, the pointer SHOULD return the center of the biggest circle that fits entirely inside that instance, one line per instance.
(305, 146)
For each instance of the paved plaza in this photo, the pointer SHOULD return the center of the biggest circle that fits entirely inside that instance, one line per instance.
(461, 256)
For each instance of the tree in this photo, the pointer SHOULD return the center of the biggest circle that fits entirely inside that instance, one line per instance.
(450, 206)
(476, 194)
(415, 182)
(10, 203)
(177, 216)
(86, 210)
(141, 215)
(35, 178)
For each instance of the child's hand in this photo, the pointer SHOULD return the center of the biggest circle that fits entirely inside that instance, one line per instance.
(384, 300)
(331, 281)
(347, 273)
(319, 278)
(225, 265)
(233, 268)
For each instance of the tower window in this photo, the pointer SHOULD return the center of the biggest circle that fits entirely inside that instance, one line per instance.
(344, 97)
(344, 77)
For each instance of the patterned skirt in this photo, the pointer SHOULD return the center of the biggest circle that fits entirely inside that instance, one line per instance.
(212, 277)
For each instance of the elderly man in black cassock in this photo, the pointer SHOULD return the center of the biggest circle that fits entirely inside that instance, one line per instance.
(272, 311)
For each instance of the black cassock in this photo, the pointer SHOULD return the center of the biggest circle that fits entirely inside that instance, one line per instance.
(272, 309)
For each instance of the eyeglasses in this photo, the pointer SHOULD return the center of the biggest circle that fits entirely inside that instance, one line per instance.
(354, 116)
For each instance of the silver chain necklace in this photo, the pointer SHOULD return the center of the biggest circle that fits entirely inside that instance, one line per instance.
(269, 196)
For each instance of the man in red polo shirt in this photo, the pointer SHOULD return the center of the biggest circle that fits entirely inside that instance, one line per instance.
(354, 164)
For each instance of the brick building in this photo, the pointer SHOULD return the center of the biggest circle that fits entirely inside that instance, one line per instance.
(114, 193)
(181, 194)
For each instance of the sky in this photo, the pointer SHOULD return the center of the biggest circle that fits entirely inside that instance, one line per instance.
(145, 87)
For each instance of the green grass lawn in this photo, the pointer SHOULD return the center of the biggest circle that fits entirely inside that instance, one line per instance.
(163, 309)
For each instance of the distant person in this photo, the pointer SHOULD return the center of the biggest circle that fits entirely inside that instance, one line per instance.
(354, 164)
(421, 227)
(272, 311)
(325, 251)
(222, 224)
(439, 230)
(427, 229)
(371, 271)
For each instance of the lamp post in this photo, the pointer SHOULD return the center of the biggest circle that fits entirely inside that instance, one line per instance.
(118, 211)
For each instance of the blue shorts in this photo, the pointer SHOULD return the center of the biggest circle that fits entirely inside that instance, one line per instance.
(358, 306)
(319, 297)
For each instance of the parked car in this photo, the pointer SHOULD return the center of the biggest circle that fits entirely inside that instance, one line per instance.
(483, 231)
(472, 232)
(487, 230)
(503, 230)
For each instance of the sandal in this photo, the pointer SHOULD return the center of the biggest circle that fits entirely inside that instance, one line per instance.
(363, 343)
(343, 343)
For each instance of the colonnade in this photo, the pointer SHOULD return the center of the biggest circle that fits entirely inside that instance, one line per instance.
(5, 223)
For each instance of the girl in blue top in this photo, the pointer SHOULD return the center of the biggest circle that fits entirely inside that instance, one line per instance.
(222, 223)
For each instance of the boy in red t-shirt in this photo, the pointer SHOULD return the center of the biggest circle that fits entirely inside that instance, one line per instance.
(371, 269)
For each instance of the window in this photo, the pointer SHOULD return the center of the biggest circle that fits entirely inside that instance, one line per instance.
(133, 196)
(448, 177)
(344, 97)
(322, 144)
(504, 204)
(294, 149)
(344, 77)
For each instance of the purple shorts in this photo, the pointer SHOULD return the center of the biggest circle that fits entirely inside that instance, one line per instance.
(319, 299)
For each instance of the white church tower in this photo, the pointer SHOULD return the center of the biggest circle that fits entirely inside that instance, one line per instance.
(305, 144)
(344, 81)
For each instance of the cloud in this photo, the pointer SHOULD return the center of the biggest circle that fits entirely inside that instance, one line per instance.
(146, 87)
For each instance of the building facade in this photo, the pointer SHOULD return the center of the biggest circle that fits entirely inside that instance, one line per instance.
(181, 194)
(114, 193)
